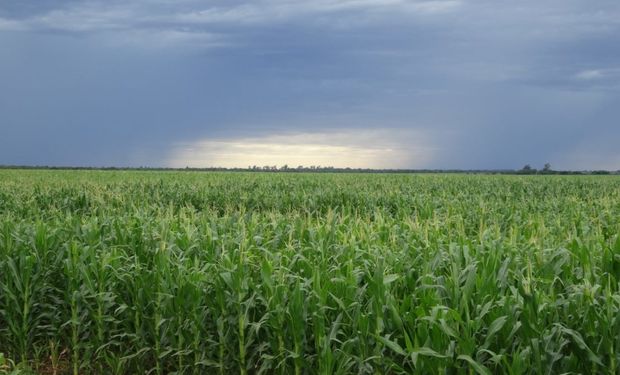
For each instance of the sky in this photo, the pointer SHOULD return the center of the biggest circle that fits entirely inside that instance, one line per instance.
(452, 84)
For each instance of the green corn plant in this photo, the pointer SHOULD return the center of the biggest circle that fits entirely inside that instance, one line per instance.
(25, 281)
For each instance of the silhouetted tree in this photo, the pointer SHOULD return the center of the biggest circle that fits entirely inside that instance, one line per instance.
(527, 169)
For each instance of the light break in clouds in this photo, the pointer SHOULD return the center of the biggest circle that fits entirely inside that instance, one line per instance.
(355, 148)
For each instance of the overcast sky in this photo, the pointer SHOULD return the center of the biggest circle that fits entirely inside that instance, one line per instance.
(360, 83)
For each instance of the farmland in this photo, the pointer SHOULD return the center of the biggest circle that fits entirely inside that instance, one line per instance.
(133, 272)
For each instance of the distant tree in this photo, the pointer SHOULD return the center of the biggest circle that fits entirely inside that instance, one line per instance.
(527, 169)
(547, 167)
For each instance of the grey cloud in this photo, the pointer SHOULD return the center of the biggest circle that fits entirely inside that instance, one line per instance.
(491, 84)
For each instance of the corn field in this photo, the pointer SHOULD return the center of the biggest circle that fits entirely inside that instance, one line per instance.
(131, 272)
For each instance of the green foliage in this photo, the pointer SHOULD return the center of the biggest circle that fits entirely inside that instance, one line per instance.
(123, 272)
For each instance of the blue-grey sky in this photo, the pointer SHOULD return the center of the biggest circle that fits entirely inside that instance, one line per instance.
(376, 83)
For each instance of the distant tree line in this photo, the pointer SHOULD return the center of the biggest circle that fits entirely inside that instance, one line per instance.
(526, 170)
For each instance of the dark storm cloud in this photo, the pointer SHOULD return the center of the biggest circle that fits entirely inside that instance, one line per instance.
(484, 84)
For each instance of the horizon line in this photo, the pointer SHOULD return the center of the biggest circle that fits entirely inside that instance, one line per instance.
(305, 169)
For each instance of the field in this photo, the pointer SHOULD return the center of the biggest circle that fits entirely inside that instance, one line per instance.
(196, 273)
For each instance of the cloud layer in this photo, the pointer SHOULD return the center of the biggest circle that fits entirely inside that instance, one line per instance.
(490, 84)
